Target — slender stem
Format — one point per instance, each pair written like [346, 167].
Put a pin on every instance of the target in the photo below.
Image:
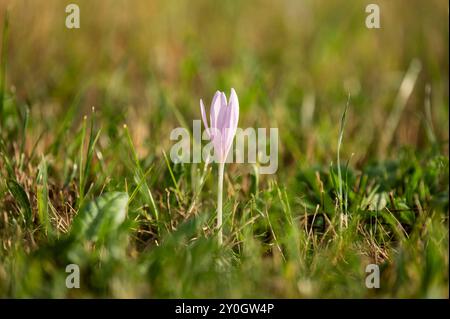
[342, 208]
[219, 203]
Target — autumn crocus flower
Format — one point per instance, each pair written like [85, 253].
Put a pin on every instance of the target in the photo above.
[223, 124]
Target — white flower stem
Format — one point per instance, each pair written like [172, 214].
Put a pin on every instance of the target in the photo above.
[219, 202]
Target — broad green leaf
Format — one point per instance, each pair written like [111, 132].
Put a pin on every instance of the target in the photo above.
[101, 218]
[378, 201]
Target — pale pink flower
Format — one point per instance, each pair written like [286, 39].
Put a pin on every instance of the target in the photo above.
[223, 122]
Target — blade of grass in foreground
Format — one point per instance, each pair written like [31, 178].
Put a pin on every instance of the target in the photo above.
[85, 170]
[42, 196]
[175, 183]
[146, 192]
[22, 200]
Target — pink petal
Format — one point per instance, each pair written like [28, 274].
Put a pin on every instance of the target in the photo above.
[215, 109]
[223, 122]
[217, 142]
[222, 110]
[205, 122]
[233, 119]
[234, 103]
[227, 129]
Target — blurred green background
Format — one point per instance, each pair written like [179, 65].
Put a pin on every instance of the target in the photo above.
[131, 59]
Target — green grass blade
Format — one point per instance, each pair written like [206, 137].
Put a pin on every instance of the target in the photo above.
[42, 196]
[21, 197]
[145, 190]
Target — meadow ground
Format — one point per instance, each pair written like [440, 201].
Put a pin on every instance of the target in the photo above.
[79, 187]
